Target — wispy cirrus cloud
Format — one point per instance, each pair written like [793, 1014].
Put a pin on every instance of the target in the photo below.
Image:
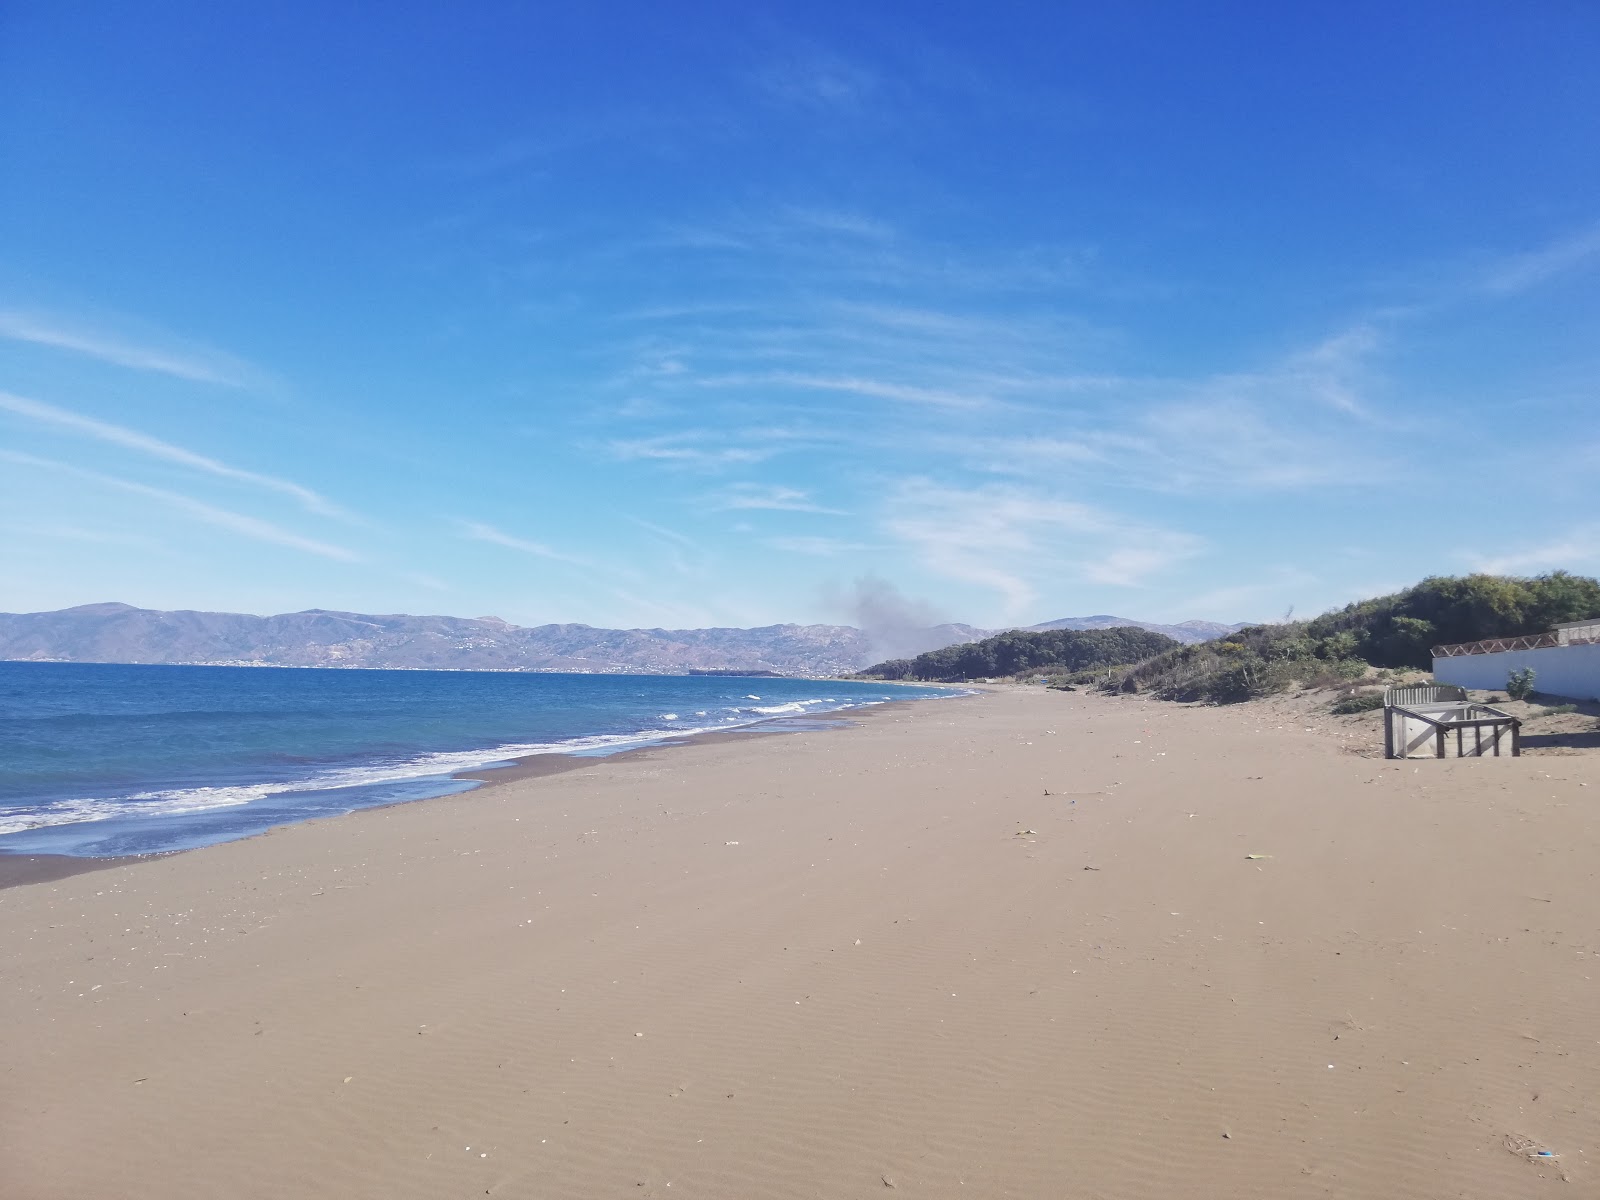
[477, 531]
[131, 439]
[1522, 272]
[775, 497]
[690, 449]
[816, 547]
[1012, 540]
[671, 536]
[240, 523]
[816, 81]
[1578, 548]
[196, 366]
[876, 389]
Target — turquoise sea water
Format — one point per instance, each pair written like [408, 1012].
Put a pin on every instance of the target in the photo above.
[106, 759]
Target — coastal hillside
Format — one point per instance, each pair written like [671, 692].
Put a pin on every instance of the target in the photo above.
[121, 633]
[1187, 632]
[1019, 651]
[1395, 632]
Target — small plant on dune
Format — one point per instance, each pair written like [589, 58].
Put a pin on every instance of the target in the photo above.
[1556, 710]
[1519, 684]
[1358, 703]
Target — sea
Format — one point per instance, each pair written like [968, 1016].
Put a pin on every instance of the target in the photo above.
[103, 760]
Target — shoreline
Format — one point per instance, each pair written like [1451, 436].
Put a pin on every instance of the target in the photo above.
[17, 870]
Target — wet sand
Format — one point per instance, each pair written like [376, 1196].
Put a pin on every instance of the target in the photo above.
[1008, 945]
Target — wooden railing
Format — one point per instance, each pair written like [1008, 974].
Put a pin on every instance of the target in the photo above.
[1532, 641]
[1585, 634]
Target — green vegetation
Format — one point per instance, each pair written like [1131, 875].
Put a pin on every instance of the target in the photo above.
[1358, 702]
[1396, 631]
[1556, 710]
[1252, 662]
[1020, 652]
[1401, 630]
[1519, 684]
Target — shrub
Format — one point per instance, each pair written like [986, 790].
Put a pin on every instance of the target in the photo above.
[1358, 703]
[1555, 710]
[1519, 684]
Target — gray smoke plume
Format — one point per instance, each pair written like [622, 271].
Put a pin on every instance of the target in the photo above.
[896, 625]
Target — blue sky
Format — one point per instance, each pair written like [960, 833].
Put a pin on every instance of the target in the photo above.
[643, 314]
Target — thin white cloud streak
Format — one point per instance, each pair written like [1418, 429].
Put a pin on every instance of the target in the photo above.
[675, 449]
[670, 535]
[1304, 422]
[851, 224]
[1262, 599]
[479, 532]
[210, 368]
[818, 82]
[1010, 540]
[775, 497]
[1578, 547]
[877, 389]
[816, 547]
[251, 527]
[1522, 272]
[131, 439]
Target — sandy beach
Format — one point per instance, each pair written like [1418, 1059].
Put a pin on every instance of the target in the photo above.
[1021, 944]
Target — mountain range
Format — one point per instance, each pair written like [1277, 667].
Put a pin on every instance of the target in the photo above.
[121, 633]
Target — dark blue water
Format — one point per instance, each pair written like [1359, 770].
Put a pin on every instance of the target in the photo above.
[104, 759]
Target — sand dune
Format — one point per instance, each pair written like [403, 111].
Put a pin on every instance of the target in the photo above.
[840, 963]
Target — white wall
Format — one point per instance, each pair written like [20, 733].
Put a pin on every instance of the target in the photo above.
[1571, 671]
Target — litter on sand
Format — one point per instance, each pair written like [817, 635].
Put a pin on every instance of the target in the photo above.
[1255, 857]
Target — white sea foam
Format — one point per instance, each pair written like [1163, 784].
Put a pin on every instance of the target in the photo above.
[438, 765]
[176, 801]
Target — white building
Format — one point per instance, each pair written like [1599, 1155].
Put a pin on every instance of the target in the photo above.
[1565, 661]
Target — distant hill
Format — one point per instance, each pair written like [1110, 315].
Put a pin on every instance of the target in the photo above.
[1187, 632]
[121, 633]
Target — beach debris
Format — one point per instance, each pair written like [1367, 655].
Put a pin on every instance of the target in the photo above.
[1257, 857]
[348, 1078]
[1091, 868]
[1027, 833]
[1529, 1149]
[887, 1182]
[730, 843]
